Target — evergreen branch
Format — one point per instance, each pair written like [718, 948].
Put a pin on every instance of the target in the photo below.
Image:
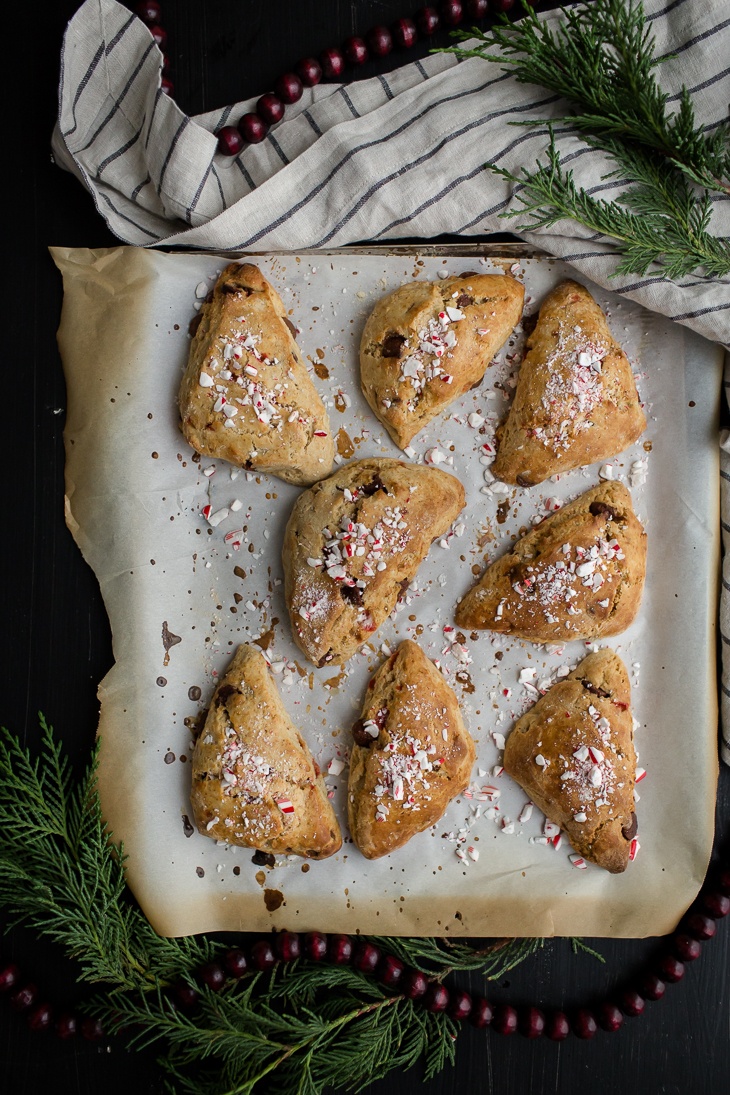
[308, 1025]
[657, 220]
[601, 59]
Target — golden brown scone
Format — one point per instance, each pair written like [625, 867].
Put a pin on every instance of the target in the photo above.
[246, 395]
[579, 574]
[429, 342]
[412, 753]
[573, 754]
[576, 400]
[255, 782]
[352, 543]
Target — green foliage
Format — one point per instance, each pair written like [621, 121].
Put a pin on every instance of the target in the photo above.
[307, 1026]
[601, 58]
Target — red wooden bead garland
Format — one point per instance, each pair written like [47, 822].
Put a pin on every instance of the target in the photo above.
[378, 41]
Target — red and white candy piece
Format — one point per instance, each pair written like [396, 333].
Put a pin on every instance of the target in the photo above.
[285, 805]
[578, 861]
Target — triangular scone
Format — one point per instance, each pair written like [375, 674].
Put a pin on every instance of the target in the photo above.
[579, 574]
[573, 754]
[576, 400]
[427, 343]
[254, 781]
[353, 542]
[246, 395]
[412, 753]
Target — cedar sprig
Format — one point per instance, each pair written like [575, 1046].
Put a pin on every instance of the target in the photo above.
[657, 220]
[601, 58]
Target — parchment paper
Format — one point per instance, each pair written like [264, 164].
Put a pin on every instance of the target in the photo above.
[180, 598]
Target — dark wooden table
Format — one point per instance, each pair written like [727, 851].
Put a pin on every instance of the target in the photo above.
[55, 637]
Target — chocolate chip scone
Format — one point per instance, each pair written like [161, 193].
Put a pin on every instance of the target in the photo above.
[353, 542]
[411, 753]
[254, 781]
[246, 395]
[573, 754]
[579, 574]
[576, 400]
[427, 343]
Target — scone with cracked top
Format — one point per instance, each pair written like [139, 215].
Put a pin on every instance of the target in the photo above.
[573, 755]
[427, 343]
[411, 753]
[353, 542]
[579, 574]
[576, 400]
[246, 395]
[254, 780]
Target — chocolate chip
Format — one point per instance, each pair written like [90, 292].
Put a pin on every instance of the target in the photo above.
[233, 287]
[373, 487]
[628, 832]
[360, 734]
[529, 323]
[524, 481]
[602, 509]
[188, 829]
[353, 594]
[594, 689]
[194, 324]
[291, 327]
[464, 300]
[263, 859]
[224, 693]
[393, 344]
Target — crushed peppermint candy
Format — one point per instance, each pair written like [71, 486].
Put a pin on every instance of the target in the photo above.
[557, 583]
[573, 389]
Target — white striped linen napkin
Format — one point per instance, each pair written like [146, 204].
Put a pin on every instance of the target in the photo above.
[396, 156]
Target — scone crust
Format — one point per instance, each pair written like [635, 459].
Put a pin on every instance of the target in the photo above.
[420, 760]
[576, 400]
[403, 379]
[579, 574]
[280, 425]
[341, 584]
[582, 729]
[250, 762]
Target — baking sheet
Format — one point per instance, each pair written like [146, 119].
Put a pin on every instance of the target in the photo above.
[180, 598]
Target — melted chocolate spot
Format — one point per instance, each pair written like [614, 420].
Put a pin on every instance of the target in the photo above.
[291, 327]
[273, 899]
[194, 324]
[464, 300]
[629, 831]
[263, 859]
[524, 481]
[194, 693]
[188, 829]
[393, 344]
